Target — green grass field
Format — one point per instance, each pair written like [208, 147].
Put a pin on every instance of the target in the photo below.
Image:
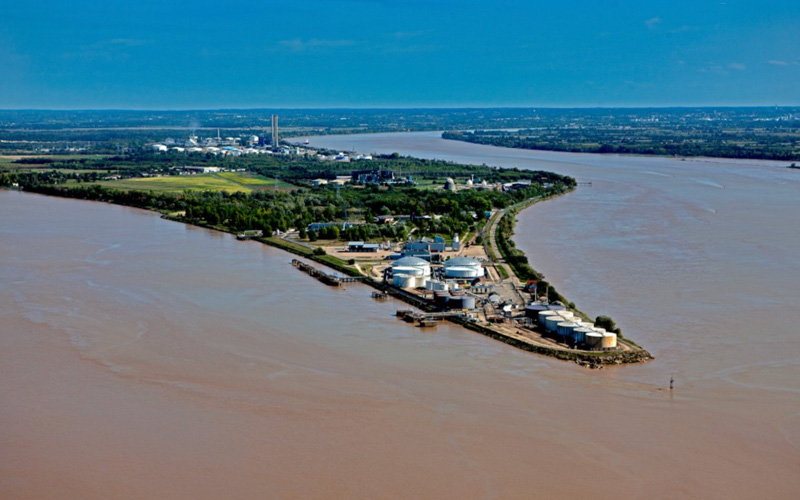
[255, 181]
[233, 182]
[177, 184]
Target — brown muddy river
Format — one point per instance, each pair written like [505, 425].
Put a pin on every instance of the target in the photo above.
[142, 358]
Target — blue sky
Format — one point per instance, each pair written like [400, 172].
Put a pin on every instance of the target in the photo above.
[157, 54]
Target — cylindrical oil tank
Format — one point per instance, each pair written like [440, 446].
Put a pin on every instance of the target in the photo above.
[468, 302]
[454, 302]
[579, 334]
[567, 314]
[533, 309]
[609, 341]
[436, 286]
[557, 306]
[544, 315]
[440, 298]
[463, 268]
[551, 322]
[565, 328]
[594, 340]
[404, 281]
[457, 302]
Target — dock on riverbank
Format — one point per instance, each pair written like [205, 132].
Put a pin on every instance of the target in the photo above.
[521, 337]
[328, 279]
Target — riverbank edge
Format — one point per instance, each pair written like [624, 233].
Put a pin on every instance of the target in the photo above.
[639, 353]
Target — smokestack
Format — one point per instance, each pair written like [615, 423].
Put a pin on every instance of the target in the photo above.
[275, 131]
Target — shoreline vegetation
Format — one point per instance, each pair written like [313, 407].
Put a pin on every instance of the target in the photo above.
[764, 145]
[269, 214]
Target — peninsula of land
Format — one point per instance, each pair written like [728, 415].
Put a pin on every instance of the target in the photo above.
[434, 234]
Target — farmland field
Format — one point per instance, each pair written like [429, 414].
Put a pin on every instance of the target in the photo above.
[233, 182]
[255, 181]
[7, 161]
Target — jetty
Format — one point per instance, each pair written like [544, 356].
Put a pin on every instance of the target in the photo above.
[328, 279]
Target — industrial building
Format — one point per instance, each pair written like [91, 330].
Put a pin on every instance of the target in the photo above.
[410, 272]
[428, 245]
[374, 176]
[463, 268]
[360, 246]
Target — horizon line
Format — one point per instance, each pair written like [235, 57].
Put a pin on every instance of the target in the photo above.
[392, 108]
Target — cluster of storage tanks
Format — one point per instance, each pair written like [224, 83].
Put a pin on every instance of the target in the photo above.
[564, 324]
[413, 272]
[453, 299]
[410, 272]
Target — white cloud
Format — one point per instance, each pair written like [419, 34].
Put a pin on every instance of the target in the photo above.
[298, 45]
[652, 22]
[778, 62]
[737, 66]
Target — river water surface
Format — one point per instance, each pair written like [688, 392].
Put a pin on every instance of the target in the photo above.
[142, 358]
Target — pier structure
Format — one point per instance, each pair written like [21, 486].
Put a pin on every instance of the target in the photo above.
[328, 279]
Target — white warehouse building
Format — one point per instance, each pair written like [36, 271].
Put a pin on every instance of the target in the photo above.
[410, 272]
[463, 268]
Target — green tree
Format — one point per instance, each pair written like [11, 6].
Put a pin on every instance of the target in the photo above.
[606, 323]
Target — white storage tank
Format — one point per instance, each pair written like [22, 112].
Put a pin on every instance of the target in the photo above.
[436, 286]
[551, 322]
[463, 268]
[546, 314]
[469, 302]
[567, 314]
[405, 281]
[609, 341]
[565, 328]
